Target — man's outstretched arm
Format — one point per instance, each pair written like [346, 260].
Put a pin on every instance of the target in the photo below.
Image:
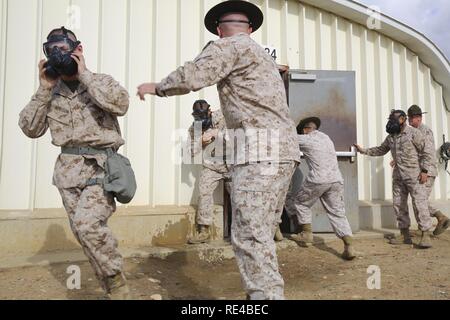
[214, 64]
[379, 151]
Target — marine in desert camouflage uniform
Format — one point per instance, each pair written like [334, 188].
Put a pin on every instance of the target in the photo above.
[324, 182]
[214, 170]
[81, 111]
[410, 174]
[253, 101]
[415, 120]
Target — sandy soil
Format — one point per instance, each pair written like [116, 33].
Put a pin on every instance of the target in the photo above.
[310, 273]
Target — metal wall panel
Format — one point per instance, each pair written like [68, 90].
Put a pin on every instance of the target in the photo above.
[3, 31]
[141, 40]
[18, 166]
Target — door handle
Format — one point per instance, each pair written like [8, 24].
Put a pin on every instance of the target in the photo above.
[348, 154]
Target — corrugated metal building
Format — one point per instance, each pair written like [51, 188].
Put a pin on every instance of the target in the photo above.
[142, 40]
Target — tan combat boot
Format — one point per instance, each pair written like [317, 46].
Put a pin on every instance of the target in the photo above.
[305, 237]
[203, 235]
[443, 223]
[118, 288]
[349, 253]
[425, 240]
[405, 238]
[278, 235]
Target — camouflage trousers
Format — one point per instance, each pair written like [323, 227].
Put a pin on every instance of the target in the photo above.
[89, 209]
[257, 194]
[419, 196]
[208, 183]
[332, 197]
[429, 188]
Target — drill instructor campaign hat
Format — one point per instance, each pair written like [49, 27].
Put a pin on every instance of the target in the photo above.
[253, 13]
[415, 110]
[304, 122]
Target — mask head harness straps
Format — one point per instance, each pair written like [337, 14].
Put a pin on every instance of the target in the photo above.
[54, 37]
[398, 113]
[201, 109]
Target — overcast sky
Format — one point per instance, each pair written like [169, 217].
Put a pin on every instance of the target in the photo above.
[430, 17]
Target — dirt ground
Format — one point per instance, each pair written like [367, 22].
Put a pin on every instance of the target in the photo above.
[309, 273]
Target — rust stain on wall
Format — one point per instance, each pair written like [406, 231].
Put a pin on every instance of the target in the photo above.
[338, 120]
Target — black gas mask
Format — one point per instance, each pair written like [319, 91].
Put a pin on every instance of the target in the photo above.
[202, 114]
[445, 154]
[58, 50]
[394, 126]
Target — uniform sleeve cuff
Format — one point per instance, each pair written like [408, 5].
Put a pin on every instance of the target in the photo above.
[86, 77]
[159, 92]
[44, 94]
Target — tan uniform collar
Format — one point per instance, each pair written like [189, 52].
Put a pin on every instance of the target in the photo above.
[61, 89]
[240, 34]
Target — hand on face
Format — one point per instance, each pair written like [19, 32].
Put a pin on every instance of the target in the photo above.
[45, 81]
[79, 59]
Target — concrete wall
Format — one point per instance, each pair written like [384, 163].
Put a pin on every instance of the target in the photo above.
[142, 40]
[30, 233]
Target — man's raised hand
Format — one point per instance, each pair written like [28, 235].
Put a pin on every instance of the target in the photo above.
[45, 81]
[146, 88]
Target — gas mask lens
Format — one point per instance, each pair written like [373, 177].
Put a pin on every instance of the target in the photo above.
[58, 51]
[203, 117]
[64, 46]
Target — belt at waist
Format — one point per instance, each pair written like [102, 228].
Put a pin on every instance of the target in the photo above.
[85, 151]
